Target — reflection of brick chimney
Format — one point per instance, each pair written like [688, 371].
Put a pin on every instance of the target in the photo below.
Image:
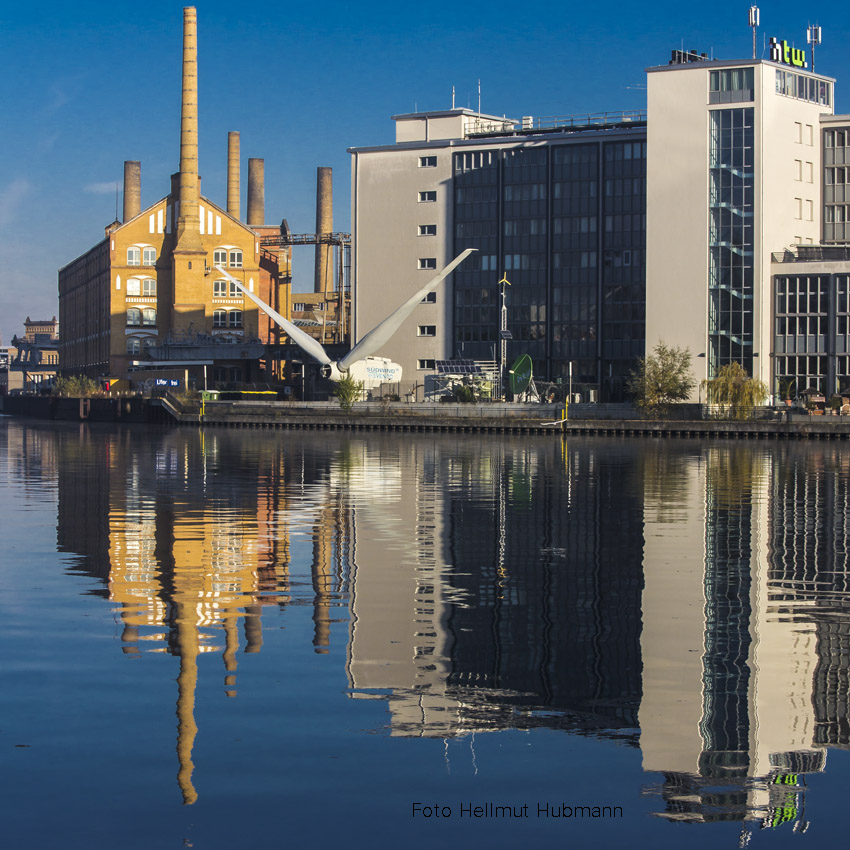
[188, 221]
[233, 174]
[256, 191]
[324, 225]
[132, 189]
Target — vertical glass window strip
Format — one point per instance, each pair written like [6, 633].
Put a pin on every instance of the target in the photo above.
[731, 184]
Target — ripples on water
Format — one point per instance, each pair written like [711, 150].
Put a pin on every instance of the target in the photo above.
[687, 601]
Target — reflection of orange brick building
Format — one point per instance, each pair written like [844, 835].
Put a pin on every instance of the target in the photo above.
[148, 295]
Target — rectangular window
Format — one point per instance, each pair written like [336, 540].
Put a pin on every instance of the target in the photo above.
[427, 229]
[810, 172]
[798, 169]
[798, 132]
[236, 259]
[426, 330]
[425, 364]
[148, 256]
[149, 287]
[427, 262]
[220, 288]
[427, 162]
[134, 287]
[798, 208]
[220, 257]
[427, 197]
[430, 298]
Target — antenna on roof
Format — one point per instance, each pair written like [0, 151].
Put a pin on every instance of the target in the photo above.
[116, 191]
[453, 97]
[754, 23]
[814, 36]
[479, 99]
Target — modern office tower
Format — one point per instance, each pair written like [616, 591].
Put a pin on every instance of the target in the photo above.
[732, 176]
[555, 206]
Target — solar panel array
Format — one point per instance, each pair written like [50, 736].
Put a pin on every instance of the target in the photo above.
[457, 367]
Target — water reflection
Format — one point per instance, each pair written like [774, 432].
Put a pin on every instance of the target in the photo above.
[687, 599]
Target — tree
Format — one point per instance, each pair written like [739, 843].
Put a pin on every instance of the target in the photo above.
[735, 392]
[661, 379]
[75, 386]
[348, 391]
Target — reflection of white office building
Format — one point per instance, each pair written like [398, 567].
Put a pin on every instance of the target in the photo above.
[733, 175]
[730, 649]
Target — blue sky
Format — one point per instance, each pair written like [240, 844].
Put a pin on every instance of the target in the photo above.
[87, 85]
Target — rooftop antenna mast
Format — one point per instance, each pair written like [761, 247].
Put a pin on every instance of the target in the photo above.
[814, 36]
[479, 100]
[453, 97]
[754, 23]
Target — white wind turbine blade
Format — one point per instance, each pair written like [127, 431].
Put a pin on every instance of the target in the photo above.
[375, 339]
[312, 346]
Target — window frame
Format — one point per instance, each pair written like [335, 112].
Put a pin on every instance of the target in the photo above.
[134, 256]
[235, 258]
[147, 259]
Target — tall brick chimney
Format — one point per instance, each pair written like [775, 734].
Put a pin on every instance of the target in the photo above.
[324, 225]
[188, 221]
[132, 189]
[233, 174]
[256, 191]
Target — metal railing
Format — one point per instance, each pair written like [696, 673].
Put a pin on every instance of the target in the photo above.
[812, 254]
[581, 121]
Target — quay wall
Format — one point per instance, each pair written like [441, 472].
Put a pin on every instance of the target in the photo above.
[612, 420]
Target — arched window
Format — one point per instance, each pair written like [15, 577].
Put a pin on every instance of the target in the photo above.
[220, 257]
[149, 287]
[148, 316]
[134, 345]
[134, 257]
[219, 289]
[148, 256]
[219, 318]
[236, 259]
[234, 319]
[134, 317]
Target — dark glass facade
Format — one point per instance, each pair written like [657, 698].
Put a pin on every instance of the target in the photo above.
[811, 341]
[565, 222]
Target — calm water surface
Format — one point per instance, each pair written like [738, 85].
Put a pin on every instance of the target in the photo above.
[249, 638]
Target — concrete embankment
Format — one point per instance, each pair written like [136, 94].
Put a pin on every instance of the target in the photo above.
[98, 409]
[377, 416]
[603, 420]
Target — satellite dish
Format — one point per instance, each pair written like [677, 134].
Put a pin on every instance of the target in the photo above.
[519, 375]
[359, 362]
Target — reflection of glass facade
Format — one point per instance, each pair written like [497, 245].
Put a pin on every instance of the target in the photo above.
[566, 224]
[732, 180]
[725, 725]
